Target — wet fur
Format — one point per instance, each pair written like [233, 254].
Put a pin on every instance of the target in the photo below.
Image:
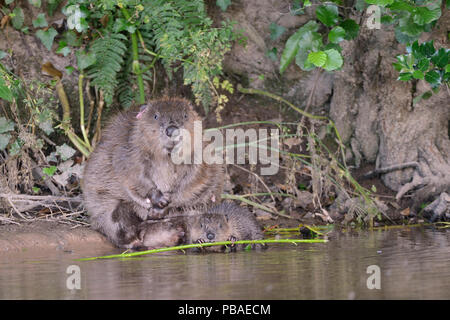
[132, 164]
[226, 221]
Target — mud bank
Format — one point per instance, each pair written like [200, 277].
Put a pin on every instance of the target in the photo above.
[43, 235]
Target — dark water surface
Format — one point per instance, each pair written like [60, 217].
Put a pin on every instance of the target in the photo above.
[414, 264]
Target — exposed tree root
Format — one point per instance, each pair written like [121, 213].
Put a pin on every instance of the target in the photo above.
[430, 180]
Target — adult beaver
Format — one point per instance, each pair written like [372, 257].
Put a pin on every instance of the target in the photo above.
[130, 175]
[224, 222]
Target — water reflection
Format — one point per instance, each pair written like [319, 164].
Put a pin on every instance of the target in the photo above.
[414, 263]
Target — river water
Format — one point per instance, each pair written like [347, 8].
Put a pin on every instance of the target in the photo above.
[414, 263]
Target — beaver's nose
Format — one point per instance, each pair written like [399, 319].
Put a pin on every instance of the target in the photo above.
[172, 131]
[210, 235]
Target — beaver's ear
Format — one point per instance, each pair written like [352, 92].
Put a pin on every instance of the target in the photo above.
[142, 109]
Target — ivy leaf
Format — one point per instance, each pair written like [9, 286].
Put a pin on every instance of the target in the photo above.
[50, 171]
[381, 3]
[276, 31]
[47, 37]
[334, 60]
[292, 44]
[4, 140]
[65, 151]
[15, 147]
[318, 58]
[85, 60]
[310, 41]
[18, 18]
[6, 125]
[223, 4]
[327, 14]
[351, 29]
[5, 93]
[424, 15]
[336, 35]
[35, 3]
[447, 68]
[40, 21]
[63, 48]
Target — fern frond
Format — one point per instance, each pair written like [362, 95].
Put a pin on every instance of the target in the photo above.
[109, 51]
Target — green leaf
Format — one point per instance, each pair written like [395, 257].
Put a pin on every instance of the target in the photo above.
[272, 54]
[5, 92]
[426, 95]
[387, 19]
[3, 54]
[403, 37]
[15, 147]
[63, 48]
[47, 37]
[310, 41]
[65, 151]
[6, 125]
[50, 171]
[9, 1]
[292, 44]
[72, 39]
[433, 78]
[334, 60]
[447, 68]
[4, 140]
[424, 15]
[328, 14]
[400, 5]
[405, 76]
[85, 60]
[440, 59]
[336, 35]
[18, 18]
[223, 4]
[361, 5]
[417, 74]
[318, 58]
[423, 65]
[40, 21]
[381, 3]
[276, 31]
[35, 3]
[351, 29]
[69, 69]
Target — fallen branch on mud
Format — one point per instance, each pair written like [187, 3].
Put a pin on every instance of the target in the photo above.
[201, 245]
[22, 203]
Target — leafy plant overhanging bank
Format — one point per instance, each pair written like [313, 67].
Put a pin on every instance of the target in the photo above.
[389, 88]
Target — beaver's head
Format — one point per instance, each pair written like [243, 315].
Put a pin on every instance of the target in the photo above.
[210, 228]
[163, 122]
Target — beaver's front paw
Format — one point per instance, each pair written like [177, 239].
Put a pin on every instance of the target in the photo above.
[232, 245]
[159, 200]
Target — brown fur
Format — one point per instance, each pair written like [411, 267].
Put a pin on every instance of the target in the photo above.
[130, 175]
[224, 222]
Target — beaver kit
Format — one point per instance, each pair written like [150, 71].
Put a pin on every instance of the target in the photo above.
[224, 222]
[130, 176]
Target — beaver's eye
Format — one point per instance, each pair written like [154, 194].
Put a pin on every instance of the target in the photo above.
[185, 116]
[156, 117]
